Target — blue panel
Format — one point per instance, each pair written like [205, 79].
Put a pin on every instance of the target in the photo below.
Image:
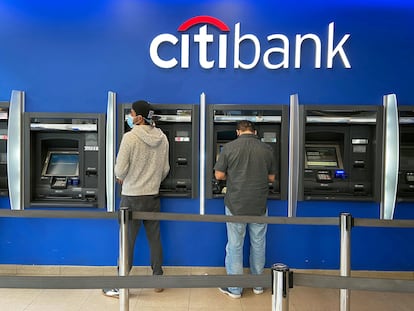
[58, 241]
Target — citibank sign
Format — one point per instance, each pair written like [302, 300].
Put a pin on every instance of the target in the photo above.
[280, 47]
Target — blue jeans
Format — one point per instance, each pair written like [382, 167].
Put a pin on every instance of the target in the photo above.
[234, 248]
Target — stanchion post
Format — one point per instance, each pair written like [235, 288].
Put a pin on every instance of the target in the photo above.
[346, 223]
[280, 287]
[124, 218]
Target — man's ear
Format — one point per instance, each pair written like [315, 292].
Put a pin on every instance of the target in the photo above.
[137, 119]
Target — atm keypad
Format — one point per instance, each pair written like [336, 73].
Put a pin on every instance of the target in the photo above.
[323, 176]
[59, 183]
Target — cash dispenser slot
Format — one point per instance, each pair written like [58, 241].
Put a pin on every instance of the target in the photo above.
[65, 161]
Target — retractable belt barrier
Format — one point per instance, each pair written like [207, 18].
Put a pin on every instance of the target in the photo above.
[206, 281]
[203, 281]
[321, 221]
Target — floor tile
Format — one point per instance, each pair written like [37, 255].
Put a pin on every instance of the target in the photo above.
[190, 299]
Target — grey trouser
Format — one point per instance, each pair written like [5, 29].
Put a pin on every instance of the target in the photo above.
[145, 203]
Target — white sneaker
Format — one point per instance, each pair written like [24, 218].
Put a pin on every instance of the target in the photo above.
[258, 290]
[111, 292]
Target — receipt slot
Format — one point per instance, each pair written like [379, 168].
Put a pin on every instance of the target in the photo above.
[341, 153]
[4, 117]
[179, 122]
[405, 188]
[66, 166]
[271, 123]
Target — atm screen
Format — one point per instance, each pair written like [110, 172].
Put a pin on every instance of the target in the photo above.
[407, 157]
[61, 163]
[226, 135]
[323, 156]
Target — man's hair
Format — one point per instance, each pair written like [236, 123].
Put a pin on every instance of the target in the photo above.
[245, 125]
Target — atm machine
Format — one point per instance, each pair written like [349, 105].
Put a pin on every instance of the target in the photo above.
[271, 123]
[179, 122]
[341, 153]
[4, 117]
[65, 164]
[405, 188]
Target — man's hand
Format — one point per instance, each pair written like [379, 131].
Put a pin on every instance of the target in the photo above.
[220, 175]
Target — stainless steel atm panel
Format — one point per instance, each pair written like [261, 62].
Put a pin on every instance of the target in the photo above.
[405, 189]
[179, 122]
[341, 153]
[4, 118]
[65, 160]
[271, 123]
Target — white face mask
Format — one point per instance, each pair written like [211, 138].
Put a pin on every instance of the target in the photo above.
[130, 121]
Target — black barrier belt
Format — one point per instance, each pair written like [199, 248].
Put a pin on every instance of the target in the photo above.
[170, 216]
[333, 221]
[242, 219]
[272, 220]
[365, 222]
[155, 281]
[354, 283]
[203, 281]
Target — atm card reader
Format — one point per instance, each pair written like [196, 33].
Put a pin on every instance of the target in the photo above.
[359, 164]
[409, 177]
[91, 171]
[181, 161]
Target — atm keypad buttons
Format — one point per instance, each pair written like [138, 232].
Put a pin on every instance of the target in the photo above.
[59, 183]
[323, 176]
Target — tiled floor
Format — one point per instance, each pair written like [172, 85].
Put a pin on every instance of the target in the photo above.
[178, 299]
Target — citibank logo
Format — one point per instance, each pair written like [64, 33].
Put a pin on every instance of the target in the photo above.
[276, 56]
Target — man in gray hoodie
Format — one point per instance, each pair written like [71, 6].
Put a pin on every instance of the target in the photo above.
[141, 165]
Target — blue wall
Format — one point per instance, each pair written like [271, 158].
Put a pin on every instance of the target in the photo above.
[66, 56]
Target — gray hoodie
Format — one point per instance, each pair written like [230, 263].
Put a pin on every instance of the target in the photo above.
[142, 160]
